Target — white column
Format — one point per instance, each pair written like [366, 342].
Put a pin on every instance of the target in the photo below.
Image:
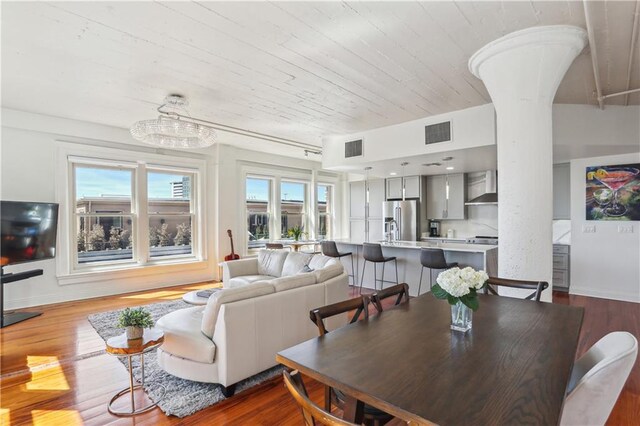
[522, 71]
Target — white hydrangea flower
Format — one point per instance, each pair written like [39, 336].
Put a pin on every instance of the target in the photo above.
[459, 282]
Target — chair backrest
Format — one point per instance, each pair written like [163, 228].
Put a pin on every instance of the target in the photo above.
[311, 413]
[433, 258]
[359, 304]
[372, 252]
[274, 246]
[598, 378]
[536, 286]
[329, 248]
[399, 290]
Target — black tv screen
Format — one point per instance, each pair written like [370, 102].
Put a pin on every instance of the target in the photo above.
[28, 231]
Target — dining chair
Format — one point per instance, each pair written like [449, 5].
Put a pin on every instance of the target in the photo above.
[333, 396]
[275, 246]
[373, 253]
[433, 258]
[399, 290]
[598, 378]
[330, 249]
[311, 413]
[537, 286]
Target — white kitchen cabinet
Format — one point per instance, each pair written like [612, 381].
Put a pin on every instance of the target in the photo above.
[394, 188]
[375, 230]
[376, 198]
[357, 199]
[357, 230]
[561, 191]
[446, 196]
[411, 187]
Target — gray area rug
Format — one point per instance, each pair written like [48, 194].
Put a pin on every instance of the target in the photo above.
[183, 397]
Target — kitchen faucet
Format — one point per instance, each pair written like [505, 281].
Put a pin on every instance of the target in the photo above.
[391, 227]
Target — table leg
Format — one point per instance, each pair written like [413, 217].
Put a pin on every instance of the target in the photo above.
[353, 410]
[133, 402]
[142, 365]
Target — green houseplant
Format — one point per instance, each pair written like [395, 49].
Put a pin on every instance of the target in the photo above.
[134, 321]
[296, 232]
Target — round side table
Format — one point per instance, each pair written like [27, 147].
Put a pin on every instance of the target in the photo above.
[121, 346]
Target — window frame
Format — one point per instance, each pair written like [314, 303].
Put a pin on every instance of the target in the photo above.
[330, 213]
[68, 154]
[270, 208]
[306, 219]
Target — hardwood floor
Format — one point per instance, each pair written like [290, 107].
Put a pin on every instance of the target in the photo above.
[54, 369]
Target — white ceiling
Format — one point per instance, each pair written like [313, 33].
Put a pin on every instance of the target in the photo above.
[297, 70]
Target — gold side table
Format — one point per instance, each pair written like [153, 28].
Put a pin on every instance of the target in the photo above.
[121, 346]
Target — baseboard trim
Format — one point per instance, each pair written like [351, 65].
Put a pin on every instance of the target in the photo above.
[623, 297]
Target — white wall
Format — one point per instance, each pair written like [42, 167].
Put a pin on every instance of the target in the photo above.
[471, 127]
[605, 263]
[28, 173]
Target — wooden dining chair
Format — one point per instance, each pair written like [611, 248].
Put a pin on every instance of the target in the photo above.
[537, 286]
[400, 290]
[360, 305]
[333, 396]
[311, 413]
[275, 246]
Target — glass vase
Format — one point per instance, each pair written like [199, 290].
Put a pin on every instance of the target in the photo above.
[461, 316]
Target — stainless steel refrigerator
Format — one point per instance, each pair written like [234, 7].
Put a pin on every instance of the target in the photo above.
[405, 213]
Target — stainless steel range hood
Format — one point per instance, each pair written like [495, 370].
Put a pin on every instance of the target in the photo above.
[490, 196]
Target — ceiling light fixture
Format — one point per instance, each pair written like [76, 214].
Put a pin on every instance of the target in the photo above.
[450, 168]
[392, 174]
[432, 164]
[447, 159]
[172, 129]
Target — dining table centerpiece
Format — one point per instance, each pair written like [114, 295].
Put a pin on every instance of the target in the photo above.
[460, 288]
[296, 232]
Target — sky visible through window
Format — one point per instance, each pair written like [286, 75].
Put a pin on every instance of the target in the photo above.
[95, 182]
[258, 190]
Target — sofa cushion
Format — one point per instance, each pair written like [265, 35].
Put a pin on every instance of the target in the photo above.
[293, 281]
[295, 263]
[270, 262]
[319, 261]
[330, 271]
[182, 336]
[227, 295]
[244, 280]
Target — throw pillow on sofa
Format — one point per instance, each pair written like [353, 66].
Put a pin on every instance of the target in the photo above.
[295, 263]
[227, 295]
[270, 262]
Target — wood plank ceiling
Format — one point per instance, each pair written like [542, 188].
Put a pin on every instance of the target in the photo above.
[298, 70]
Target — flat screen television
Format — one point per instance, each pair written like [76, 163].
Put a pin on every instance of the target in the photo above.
[28, 231]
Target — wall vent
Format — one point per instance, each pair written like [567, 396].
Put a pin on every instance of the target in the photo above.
[436, 133]
[353, 149]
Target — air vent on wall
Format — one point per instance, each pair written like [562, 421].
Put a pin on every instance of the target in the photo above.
[435, 133]
[353, 149]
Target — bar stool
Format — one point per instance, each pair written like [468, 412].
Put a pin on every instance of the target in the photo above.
[373, 253]
[433, 258]
[330, 249]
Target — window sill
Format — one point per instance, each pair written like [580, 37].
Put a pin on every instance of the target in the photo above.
[131, 271]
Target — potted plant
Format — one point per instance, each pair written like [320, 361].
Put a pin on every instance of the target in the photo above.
[296, 232]
[134, 321]
[460, 288]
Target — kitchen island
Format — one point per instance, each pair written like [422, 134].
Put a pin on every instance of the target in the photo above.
[478, 256]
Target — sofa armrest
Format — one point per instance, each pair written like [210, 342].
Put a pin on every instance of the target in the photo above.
[236, 268]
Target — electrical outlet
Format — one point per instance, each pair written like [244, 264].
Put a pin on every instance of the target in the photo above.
[588, 229]
[625, 229]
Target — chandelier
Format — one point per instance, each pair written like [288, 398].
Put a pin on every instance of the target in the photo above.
[172, 129]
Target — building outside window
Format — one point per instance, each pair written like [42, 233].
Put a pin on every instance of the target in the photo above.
[324, 198]
[258, 204]
[293, 196]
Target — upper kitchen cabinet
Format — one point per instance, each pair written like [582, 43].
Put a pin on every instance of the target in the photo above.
[411, 186]
[357, 199]
[561, 191]
[376, 198]
[446, 196]
[358, 207]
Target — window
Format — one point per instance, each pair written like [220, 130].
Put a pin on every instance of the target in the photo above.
[324, 198]
[170, 214]
[104, 217]
[292, 206]
[115, 211]
[258, 202]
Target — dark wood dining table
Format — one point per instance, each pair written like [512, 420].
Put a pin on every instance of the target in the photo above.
[512, 367]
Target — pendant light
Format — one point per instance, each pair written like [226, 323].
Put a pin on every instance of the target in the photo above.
[403, 180]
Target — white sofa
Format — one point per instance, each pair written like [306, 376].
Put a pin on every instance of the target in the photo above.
[262, 309]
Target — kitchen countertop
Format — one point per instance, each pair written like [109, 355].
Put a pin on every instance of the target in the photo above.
[417, 245]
